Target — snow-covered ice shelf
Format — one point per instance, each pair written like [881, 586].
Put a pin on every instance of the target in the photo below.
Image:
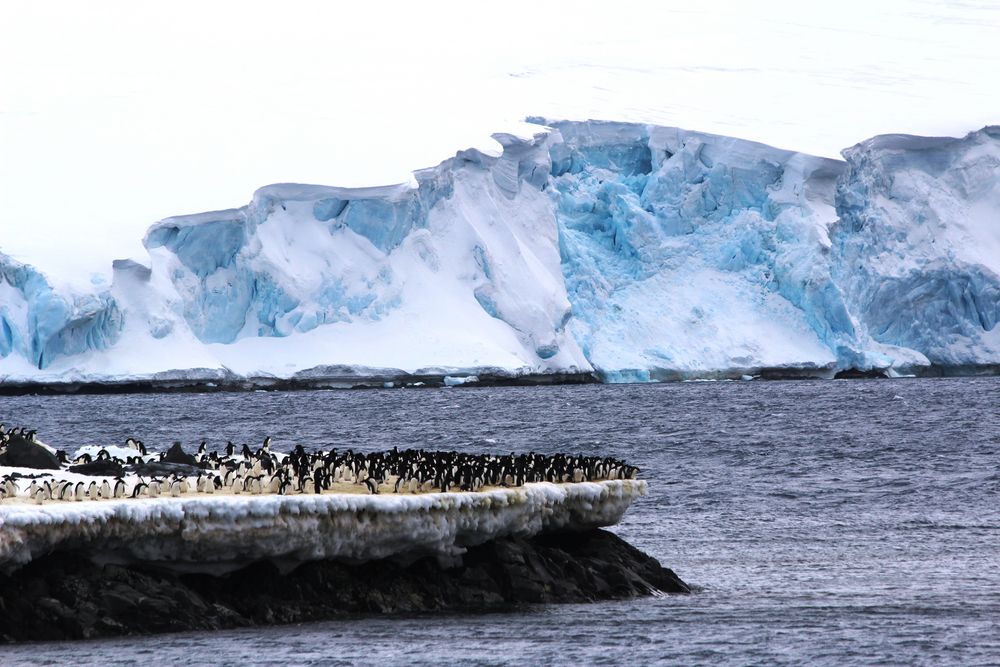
[224, 532]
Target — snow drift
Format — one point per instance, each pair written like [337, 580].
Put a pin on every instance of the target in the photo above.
[631, 251]
[225, 531]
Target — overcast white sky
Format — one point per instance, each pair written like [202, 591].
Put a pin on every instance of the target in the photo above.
[114, 114]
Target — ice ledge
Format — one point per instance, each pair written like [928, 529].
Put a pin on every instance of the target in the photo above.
[236, 530]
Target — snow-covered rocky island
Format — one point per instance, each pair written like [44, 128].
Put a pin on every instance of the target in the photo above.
[580, 251]
[120, 540]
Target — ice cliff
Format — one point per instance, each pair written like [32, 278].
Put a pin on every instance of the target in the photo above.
[631, 251]
[233, 530]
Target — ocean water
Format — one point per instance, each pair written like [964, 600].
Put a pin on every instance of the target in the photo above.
[838, 522]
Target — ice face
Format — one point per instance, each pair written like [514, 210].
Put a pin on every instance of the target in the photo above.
[918, 243]
[638, 252]
[38, 324]
[682, 252]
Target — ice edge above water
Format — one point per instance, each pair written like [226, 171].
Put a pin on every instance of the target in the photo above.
[235, 530]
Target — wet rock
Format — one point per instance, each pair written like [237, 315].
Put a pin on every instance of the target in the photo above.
[65, 596]
[99, 469]
[22, 453]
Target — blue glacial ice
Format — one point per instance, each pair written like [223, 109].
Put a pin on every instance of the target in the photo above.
[635, 252]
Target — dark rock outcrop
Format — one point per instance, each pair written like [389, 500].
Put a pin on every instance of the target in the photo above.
[22, 453]
[176, 454]
[65, 596]
[161, 469]
[105, 468]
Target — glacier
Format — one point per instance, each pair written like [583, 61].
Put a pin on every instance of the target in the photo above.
[617, 251]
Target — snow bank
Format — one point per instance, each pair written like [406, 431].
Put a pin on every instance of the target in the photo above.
[633, 251]
[221, 530]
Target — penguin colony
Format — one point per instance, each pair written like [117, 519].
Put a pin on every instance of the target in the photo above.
[242, 470]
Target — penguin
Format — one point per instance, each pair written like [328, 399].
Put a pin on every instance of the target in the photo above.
[92, 491]
[65, 491]
[274, 484]
[372, 485]
[250, 485]
[80, 492]
[119, 490]
[139, 490]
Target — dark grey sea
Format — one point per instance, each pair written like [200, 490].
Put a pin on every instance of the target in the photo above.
[822, 522]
